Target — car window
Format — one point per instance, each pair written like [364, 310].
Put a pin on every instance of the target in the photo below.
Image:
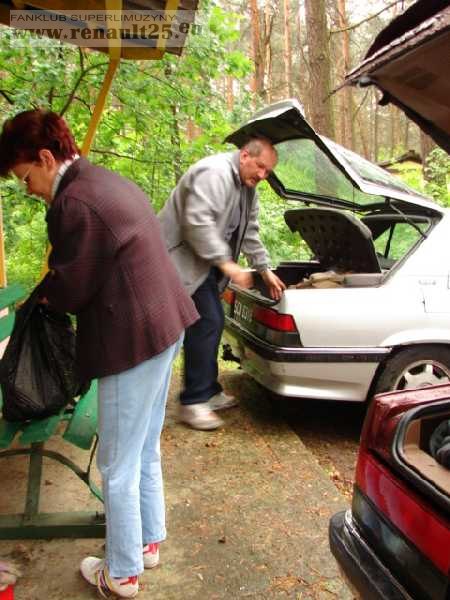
[303, 167]
[368, 171]
[396, 241]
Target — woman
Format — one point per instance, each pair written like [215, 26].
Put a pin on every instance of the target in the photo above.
[109, 266]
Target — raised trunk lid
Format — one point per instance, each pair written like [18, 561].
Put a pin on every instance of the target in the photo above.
[314, 169]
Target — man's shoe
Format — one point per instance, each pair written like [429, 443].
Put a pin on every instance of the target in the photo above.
[96, 573]
[199, 416]
[221, 400]
[151, 555]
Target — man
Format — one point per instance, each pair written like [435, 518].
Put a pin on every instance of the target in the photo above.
[109, 266]
[210, 217]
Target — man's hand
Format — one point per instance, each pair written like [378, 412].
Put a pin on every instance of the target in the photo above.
[274, 284]
[237, 275]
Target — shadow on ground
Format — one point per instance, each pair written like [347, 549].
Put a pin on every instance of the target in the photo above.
[248, 508]
[330, 430]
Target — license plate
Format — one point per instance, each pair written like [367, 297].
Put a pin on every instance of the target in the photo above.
[243, 312]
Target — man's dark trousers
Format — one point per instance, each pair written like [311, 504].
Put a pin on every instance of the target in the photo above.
[201, 344]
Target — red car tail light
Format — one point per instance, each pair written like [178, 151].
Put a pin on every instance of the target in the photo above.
[385, 412]
[274, 320]
[400, 522]
[392, 493]
[228, 296]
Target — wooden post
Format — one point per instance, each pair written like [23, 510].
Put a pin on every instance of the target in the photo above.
[99, 105]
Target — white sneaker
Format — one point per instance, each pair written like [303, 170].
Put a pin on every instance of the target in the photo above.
[151, 555]
[221, 401]
[96, 573]
[199, 416]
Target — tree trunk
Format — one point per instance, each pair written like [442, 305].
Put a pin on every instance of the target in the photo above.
[362, 135]
[395, 141]
[346, 93]
[190, 129]
[229, 92]
[375, 127]
[287, 54]
[267, 66]
[269, 74]
[406, 134]
[319, 67]
[302, 64]
[426, 146]
[257, 79]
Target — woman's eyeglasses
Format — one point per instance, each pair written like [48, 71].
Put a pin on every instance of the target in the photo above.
[24, 180]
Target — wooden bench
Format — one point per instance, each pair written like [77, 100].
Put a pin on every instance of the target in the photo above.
[78, 425]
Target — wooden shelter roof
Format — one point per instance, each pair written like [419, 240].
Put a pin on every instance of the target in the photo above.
[136, 48]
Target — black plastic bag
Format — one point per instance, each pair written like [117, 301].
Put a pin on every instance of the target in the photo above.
[38, 376]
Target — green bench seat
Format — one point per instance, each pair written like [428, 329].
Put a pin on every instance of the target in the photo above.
[78, 425]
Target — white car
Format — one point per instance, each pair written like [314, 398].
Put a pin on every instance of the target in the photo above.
[386, 323]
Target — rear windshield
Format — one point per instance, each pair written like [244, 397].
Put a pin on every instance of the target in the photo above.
[304, 167]
[368, 171]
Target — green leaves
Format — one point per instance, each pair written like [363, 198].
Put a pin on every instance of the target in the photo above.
[161, 116]
[438, 176]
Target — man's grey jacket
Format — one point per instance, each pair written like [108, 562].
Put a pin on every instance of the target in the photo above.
[196, 216]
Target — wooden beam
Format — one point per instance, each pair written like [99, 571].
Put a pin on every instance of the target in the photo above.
[99, 106]
[114, 43]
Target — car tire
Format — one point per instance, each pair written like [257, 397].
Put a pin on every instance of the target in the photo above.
[415, 367]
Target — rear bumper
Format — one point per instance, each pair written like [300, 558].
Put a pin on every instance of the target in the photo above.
[342, 374]
[272, 352]
[360, 564]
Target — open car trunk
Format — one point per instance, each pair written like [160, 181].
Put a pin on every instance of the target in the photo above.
[401, 430]
[332, 184]
[415, 450]
[295, 273]
[339, 242]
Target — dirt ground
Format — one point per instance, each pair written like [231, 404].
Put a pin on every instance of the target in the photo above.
[329, 430]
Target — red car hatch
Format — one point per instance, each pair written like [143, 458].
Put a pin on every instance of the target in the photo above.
[401, 501]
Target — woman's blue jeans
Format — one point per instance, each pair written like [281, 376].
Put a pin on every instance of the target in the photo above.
[131, 415]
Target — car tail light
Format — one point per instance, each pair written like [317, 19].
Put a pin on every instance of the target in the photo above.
[228, 296]
[402, 512]
[379, 429]
[399, 521]
[385, 412]
[274, 320]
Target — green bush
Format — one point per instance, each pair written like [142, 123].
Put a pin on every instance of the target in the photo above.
[437, 171]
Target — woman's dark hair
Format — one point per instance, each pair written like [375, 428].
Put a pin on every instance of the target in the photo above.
[28, 132]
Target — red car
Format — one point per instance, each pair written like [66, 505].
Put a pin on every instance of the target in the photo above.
[394, 543]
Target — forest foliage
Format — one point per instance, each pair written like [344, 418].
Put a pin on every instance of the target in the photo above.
[164, 115]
